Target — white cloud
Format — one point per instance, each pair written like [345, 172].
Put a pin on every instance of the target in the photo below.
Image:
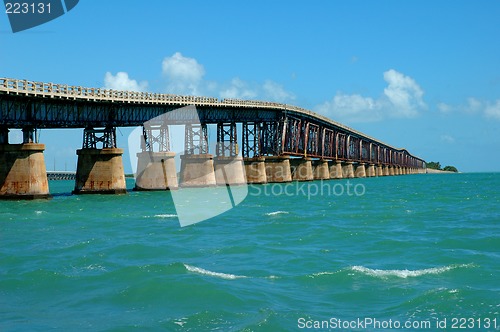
[353, 108]
[444, 108]
[404, 94]
[269, 91]
[473, 105]
[402, 97]
[493, 110]
[121, 81]
[184, 74]
[275, 92]
[238, 89]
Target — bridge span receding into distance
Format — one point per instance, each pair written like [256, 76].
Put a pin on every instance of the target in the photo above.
[279, 142]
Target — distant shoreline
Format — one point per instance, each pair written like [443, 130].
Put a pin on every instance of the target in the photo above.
[435, 171]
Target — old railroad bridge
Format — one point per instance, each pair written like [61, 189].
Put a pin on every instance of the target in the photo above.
[279, 142]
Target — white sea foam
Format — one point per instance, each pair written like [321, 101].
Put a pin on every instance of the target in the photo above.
[275, 213]
[165, 216]
[181, 321]
[325, 273]
[405, 273]
[199, 270]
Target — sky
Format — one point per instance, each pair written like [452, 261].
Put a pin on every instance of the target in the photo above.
[422, 75]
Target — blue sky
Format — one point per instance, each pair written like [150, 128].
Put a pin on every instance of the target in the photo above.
[424, 75]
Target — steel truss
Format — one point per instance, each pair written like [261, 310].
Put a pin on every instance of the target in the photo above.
[251, 132]
[92, 137]
[196, 139]
[227, 139]
[155, 136]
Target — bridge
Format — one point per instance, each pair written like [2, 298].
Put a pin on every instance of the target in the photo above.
[60, 175]
[279, 142]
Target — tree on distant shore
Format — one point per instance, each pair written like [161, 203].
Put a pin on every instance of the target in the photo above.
[437, 165]
[434, 165]
[450, 169]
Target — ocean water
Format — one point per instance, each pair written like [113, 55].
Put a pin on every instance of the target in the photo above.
[406, 249]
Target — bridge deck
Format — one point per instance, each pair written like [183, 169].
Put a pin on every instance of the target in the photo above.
[48, 105]
[69, 92]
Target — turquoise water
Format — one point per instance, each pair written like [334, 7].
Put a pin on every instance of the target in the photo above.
[416, 248]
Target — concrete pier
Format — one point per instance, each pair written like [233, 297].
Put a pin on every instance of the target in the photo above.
[385, 170]
[22, 171]
[360, 171]
[379, 171]
[348, 170]
[197, 170]
[336, 170]
[229, 171]
[255, 170]
[156, 171]
[100, 171]
[391, 170]
[371, 171]
[278, 169]
[320, 170]
[301, 169]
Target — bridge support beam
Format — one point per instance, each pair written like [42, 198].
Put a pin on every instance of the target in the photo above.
[371, 171]
[301, 169]
[391, 170]
[360, 171]
[348, 170]
[278, 169]
[197, 170]
[320, 170]
[156, 171]
[100, 171]
[336, 170]
[229, 171]
[22, 171]
[255, 169]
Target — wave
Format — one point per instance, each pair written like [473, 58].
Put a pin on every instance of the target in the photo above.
[275, 213]
[325, 273]
[405, 273]
[162, 216]
[221, 275]
[165, 216]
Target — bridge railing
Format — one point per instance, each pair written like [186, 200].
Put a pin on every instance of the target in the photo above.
[69, 91]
